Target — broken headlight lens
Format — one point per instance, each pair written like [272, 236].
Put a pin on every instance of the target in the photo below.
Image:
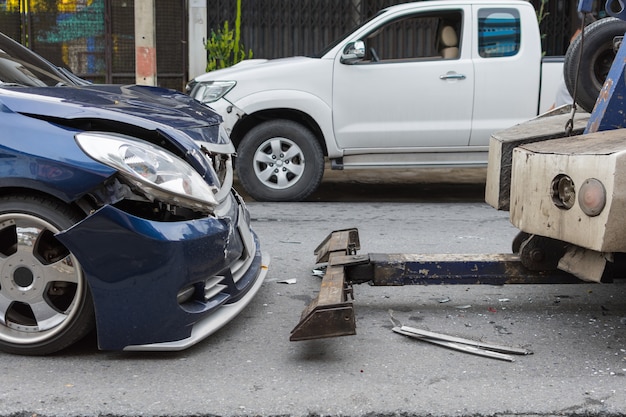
[157, 173]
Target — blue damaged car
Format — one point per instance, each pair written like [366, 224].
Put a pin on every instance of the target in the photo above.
[117, 213]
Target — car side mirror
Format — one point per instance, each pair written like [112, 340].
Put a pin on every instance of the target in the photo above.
[353, 52]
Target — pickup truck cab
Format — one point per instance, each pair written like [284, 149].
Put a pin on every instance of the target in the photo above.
[418, 85]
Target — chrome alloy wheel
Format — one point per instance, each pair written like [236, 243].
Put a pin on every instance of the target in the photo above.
[41, 282]
[279, 163]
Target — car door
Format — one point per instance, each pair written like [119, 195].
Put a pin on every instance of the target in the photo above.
[404, 94]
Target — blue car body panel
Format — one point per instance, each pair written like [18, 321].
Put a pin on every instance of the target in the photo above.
[176, 115]
[138, 105]
[136, 267]
[38, 155]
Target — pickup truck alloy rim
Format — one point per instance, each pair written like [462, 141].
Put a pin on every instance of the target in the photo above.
[40, 282]
[279, 163]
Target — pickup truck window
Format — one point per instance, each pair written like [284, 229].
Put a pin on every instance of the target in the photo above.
[334, 43]
[499, 32]
[418, 36]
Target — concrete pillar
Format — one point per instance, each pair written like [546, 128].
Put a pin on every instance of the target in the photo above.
[145, 43]
[198, 30]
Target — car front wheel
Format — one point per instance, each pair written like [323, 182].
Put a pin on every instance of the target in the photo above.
[280, 160]
[45, 303]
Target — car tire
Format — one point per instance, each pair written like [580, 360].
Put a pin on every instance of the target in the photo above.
[595, 62]
[45, 301]
[279, 160]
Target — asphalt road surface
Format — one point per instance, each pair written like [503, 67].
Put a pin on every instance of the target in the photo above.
[250, 368]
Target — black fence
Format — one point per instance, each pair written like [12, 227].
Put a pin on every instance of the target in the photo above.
[280, 28]
[96, 38]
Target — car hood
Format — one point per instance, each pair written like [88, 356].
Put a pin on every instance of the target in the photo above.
[144, 106]
[253, 66]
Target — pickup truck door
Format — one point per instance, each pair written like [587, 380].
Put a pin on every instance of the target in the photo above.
[507, 60]
[404, 94]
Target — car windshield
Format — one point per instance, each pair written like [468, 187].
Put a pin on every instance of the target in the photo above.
[20, 66]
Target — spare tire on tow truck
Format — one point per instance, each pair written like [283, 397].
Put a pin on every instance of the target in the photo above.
[598, 50]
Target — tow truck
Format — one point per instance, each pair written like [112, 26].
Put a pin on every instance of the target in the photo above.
[561, 176]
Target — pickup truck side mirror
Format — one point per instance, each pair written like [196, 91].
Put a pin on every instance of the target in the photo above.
[353, 52]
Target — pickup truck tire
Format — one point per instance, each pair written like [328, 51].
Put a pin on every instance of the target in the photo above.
[596, 60]
[280, 160]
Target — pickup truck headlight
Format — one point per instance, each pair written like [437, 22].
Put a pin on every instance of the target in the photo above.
[210, 91]
[157, 173]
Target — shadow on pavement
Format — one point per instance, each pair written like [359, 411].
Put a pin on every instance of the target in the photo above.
[432, 192]
[409, 185]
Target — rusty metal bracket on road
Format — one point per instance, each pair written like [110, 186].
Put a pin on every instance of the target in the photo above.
[331, 313]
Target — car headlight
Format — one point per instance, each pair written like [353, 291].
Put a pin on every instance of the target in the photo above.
[210, 91]
[159, 174]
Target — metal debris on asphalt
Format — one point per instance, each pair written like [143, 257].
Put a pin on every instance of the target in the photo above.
[457, 343]
[320, 269]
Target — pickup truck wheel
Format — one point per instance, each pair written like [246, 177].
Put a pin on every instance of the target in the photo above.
[596, 60]
[280, 160]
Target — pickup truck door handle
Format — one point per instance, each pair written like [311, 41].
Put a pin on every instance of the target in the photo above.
[452, 76]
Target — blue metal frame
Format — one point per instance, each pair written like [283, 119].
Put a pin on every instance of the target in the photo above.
[608, 112]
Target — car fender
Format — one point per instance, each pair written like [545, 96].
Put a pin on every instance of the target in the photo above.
[57, 166]
[302, 101]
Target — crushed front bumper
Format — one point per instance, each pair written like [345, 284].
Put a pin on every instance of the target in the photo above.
[136, 269]
[230, 113]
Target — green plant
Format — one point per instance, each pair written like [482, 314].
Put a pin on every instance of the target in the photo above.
[224, 46]
[542, 13]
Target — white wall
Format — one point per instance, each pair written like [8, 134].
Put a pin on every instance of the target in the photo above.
[197, 36]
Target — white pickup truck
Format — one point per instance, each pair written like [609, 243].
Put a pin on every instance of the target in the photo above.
[418, 85]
